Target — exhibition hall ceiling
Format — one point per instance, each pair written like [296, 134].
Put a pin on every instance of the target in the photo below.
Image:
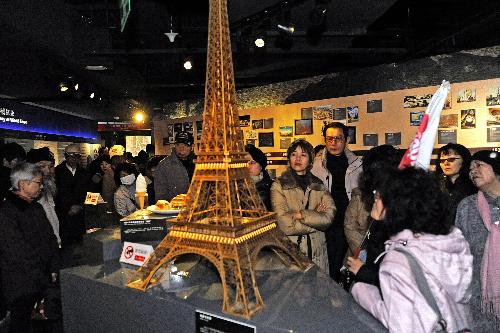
[46, 44]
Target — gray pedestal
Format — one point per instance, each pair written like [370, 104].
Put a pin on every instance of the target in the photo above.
[103, 245]
[95, 299]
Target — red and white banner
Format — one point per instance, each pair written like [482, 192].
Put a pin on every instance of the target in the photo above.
[420, 151]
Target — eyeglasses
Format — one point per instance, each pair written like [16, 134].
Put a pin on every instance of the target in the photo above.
[331, 139]
[449, 159]
[73, 155]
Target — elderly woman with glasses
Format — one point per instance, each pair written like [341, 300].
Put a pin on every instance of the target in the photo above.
[303, 205]
[29, 250]
[452, 170]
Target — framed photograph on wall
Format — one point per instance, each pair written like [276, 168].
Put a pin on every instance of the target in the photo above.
[268, 123]
[493, 134]
[323, 112]
[466, 95]
[447, 136]
[370, 140]
[352, 134]
[374, 106]
[393, 139]
[416, 118]
[303, 126]
[493, 117]
[286, 130]
[306, 113]
[339, 114]
[416, 101]
[448, 120]
[244, 121]
[285, 143]
[257, 124]
[468, 119]
[266, 139]
[493, 96]
[352, 114]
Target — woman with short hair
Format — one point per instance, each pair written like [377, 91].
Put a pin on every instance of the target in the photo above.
[125, 177]
[303, 205]
[414, 213]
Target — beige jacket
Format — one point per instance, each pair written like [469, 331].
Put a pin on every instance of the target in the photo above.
[355, 222]
[287, 198]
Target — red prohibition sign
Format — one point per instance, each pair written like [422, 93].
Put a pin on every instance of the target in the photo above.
[129, 252]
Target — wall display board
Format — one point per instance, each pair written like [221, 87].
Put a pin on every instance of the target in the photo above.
[400, 112]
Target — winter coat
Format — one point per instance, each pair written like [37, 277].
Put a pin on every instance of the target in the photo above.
[29, 252]
[125, 203]
[71, 190]
[108, 186]
[264, 188]
[287, 198]
[463, 187]
[447, 265]
[171, 178]
[351, 175]
[469, 221]
[355, 221]
[374, 246]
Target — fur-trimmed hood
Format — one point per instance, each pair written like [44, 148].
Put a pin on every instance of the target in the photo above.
[288, 181]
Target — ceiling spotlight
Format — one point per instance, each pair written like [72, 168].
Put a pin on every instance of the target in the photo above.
[188, 65]
[63, 87]
[259, 42]
[96, 67]
[92, 95]
[76, 86]
[171, 35]
[139, 117]
[288, 29]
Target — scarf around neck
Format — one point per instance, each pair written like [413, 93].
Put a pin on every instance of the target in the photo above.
[490, 267]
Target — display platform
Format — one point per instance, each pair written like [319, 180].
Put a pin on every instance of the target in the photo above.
[95, 298]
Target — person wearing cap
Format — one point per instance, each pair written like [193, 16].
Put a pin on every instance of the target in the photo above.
[71, 182]
[257, 162]
[478, 217]
[174, 172]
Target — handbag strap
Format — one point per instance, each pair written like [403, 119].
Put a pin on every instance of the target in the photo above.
[423, 286]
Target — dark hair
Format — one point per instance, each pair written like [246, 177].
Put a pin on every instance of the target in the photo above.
[13, 150]
[104, 158]
[128, 168]
[460, 150]
[336, 124]
[413, 200]
[318, 148]
[375, 163]
[257, 155]
[305, 146]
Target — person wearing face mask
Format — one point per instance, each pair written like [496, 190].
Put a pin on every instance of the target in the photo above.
[452, 170]
[125, 176]
[30, 254]
[478, 217]
[257, 162]
[304, 207]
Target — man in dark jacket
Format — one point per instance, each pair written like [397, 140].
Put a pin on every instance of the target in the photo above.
[28, 246]
[174, 173]
[71, 182]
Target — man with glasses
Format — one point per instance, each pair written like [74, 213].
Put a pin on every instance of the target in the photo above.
[339, 170]
[71, 183]
[173, 174]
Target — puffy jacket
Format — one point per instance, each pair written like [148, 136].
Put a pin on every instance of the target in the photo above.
[287, 198]
[351, 175]
[171, 178]
[356, 221]
[447, 265]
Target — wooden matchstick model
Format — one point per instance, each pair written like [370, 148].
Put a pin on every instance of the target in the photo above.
[224, 219]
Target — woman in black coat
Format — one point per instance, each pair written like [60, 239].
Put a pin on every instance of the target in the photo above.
[257, 162]
[29, 253]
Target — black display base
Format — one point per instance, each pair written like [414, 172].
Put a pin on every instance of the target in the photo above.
[95, 299]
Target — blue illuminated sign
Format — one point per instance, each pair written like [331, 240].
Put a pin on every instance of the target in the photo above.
[21, 117]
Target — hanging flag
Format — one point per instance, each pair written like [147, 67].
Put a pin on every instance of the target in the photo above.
[420, 150]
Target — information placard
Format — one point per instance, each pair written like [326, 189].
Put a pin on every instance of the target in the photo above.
[142, 230]
[208, 323]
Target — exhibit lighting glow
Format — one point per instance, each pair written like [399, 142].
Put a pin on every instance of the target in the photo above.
[259, 42]
[139, 117]
[92, 95]
[63, 87]
[76, 86]
[188, 65]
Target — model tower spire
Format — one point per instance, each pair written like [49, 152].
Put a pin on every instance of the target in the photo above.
[224, 219]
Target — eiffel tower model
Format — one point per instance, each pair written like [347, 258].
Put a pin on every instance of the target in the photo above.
[224, 220]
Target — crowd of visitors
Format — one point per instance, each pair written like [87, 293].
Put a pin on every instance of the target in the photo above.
[421, 247]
